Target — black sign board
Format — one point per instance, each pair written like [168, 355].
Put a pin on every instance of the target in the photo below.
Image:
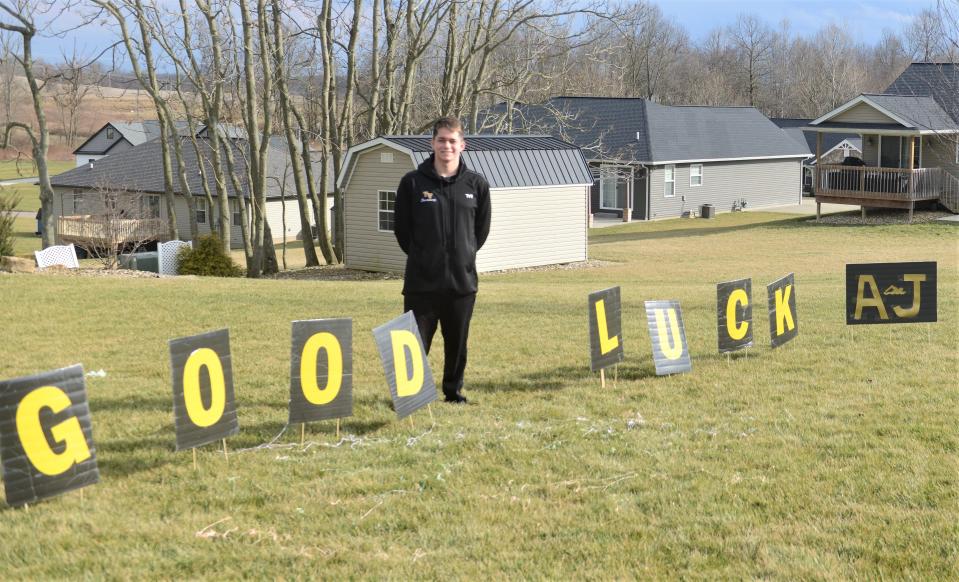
[783, 318]
[405, 365]
[46, 439]
[666, 330]
[204, 409]
[321, 370]
[891, 293]
[605, 328]
[734, 315]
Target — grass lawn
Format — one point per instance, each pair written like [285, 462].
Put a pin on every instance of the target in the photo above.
[25, 242]
[835, 456]
[13, 169]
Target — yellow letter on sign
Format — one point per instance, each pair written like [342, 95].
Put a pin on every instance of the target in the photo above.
[874, 301]
[606, 343]
[407, 384]
[199, 415]
[784, 315]
[736, 329]
[671, 346]
[334, 355]
[68, 432]
[913, 310]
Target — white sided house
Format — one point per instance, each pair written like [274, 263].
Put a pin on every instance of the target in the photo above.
[137, 172]
[539, 191]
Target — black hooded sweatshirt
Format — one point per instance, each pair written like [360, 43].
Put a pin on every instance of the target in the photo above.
[440, 224]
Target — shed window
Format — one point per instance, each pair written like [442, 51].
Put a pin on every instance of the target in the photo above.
[201, 210]
[696, 175]
[387, 201]
[669, 181]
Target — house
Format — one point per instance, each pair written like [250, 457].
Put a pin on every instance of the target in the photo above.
[910, 143]
[119, 136]
[836, 146]
[653, 161]
[539, 189]
[137, 171]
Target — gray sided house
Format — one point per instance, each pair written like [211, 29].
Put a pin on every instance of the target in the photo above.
[539, 189]
[119, 136]
[910, 143]
[138, 173]
[836, 147]
[652, 161]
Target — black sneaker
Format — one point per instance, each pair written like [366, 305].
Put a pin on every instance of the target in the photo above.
[456, 399]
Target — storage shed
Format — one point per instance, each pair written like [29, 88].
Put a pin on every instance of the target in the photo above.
[539, 190]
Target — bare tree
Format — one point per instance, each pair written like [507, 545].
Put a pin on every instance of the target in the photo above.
[753, 42]
[76, 80]
[10, 90]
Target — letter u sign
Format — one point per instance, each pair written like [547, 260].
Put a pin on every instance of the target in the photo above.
[321, 370]
[204, 408]
[668, 336]
[49, 449]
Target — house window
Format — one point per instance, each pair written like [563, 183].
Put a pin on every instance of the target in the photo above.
[110, 133]
[77, 201]
[150, 206]
[608, 188]
[669, 181]
[387, 201]
[201, 210]
[235, 211]
[696, 175]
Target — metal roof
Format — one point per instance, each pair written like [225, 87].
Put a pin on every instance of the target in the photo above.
[509, 161]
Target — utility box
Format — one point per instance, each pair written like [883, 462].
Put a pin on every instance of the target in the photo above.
[149, 261]
[708, 211]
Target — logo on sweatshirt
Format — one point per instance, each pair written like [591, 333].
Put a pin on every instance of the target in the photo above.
[427, 197]
[469, 196]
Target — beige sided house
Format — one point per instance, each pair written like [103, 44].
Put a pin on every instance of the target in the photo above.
[138, 171]
[910, 143]
[539, 190]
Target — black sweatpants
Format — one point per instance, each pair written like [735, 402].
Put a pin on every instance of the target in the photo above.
[453, 314]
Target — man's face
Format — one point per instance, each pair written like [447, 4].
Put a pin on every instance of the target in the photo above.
[447, 145]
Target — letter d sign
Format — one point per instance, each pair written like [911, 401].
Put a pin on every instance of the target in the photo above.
[405, 365]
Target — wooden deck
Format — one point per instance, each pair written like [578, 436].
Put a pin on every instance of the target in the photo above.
[107, 231]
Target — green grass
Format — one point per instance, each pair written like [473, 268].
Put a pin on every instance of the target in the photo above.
[832, 457]
[13, 169]
[25, 242]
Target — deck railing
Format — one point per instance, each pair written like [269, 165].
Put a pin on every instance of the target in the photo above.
[950, 192]
[880, 183]
[109, 230]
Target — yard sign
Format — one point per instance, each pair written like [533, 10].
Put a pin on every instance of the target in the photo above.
[783, 319]
[204, 409]
[321, 370]
[734, 315]
[891, 293]
[405, 365]
[605, 328]
[666, 330]
[46, 439]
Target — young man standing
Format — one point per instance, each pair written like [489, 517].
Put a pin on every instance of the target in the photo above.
[442, 218]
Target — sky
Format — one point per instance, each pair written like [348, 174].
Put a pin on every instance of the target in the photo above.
[865, 20]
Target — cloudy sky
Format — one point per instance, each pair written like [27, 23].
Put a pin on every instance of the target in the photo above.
[865, 20]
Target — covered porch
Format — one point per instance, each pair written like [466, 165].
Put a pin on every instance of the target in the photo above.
[108, 231]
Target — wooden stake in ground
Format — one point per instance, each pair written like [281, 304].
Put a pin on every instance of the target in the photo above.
[302, 433]
[411, 422]
[226, 455]
[602, 378]
[194, 458]
[430, 409]
[615, 374]
[337, 429]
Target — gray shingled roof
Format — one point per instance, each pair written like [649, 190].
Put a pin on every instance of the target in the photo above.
[140, 169]
[794, 128]
[937, 80]
[922, 112]
[513, 161]
[632, 129]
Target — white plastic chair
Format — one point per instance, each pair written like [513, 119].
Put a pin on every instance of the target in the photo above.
[168, 256]
[65, 255]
